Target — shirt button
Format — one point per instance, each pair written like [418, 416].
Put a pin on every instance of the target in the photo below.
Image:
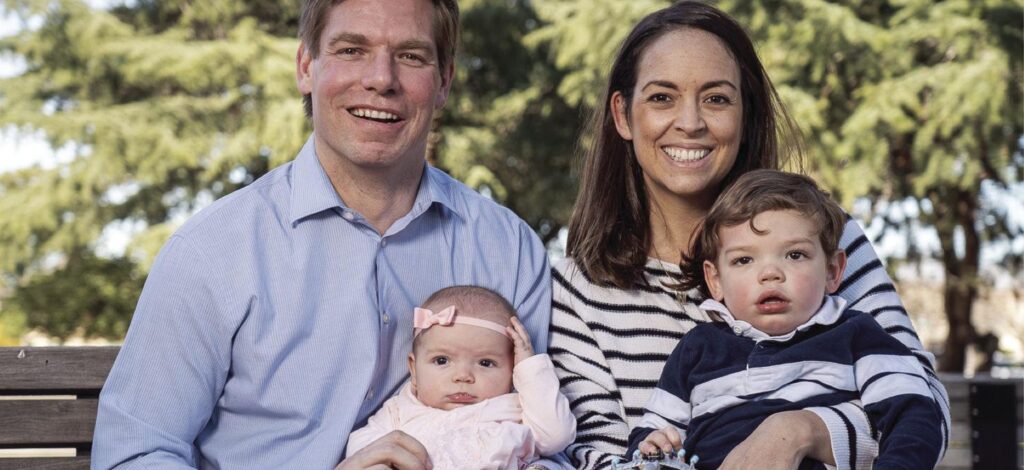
[348, 215]
[386, 318]
[383, 242]
[737, 330]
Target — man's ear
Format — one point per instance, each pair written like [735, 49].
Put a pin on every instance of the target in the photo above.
[619, 108]
[713, 281]
[446, 86]
[835, 267]
[303, 78]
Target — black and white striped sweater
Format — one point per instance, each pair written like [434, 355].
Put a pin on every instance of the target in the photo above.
[609, 346]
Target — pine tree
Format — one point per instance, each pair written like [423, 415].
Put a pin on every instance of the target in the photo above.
[165, 106]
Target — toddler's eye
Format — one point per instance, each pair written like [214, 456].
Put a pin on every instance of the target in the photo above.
[487, 363]
[741, 260]
[796, 255]
[440, 360]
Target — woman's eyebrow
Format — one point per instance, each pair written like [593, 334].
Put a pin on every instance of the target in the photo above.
[706, 86]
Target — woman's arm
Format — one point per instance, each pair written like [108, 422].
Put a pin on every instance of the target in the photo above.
[586, 380]
[867, 287]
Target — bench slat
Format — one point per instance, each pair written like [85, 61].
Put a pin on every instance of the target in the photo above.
[65, 463]
[33, 423]
[57, 368]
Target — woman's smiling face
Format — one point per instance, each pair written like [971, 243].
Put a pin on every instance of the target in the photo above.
[685, 118]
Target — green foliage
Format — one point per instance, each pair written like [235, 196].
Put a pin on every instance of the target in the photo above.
[88, 296]
[164, 106]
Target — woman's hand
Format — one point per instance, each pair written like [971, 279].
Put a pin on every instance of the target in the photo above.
[781, 442]
[521, 345]
[395, 450]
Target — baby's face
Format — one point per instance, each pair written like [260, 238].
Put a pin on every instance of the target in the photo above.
[775, 280]
[459, 365]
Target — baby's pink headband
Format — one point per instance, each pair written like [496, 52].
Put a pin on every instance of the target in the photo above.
[424, 318]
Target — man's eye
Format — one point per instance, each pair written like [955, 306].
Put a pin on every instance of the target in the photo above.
[349, 51]
[411, 58]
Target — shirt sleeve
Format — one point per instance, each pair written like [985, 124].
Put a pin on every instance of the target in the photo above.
[866, 286]
[897, 398]
[168, 374]
[545, 409]
[533, 291]
[587, 382]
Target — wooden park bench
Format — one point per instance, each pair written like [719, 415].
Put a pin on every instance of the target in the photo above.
[48, 399]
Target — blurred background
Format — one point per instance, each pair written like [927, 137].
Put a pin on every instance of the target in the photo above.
[119, 119]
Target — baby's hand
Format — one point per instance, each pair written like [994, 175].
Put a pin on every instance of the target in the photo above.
[665, 440]
[520, 341]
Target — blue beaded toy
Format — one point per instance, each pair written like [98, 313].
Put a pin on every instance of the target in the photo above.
[656, 461]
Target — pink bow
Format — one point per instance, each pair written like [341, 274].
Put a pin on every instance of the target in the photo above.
[424, 318]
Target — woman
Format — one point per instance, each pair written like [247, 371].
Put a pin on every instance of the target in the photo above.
[688, 108]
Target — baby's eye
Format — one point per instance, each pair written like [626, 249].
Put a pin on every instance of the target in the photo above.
[742, 260]
[796, 255]
[487, 363]
[440, 360]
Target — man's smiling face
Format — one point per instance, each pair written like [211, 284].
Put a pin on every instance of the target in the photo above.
[375, 83]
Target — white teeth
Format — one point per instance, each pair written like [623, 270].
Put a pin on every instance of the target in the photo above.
[686, 155]
[373, 114]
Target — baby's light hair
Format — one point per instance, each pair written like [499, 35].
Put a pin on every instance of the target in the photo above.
[471, 301]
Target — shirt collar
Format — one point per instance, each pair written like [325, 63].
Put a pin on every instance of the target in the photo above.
[830, 311]
[312, 191]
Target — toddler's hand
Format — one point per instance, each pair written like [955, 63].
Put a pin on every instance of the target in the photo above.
[520, 341]
[666, 440]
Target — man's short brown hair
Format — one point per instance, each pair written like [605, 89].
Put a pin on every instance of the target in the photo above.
[446, 32]
[752, 193]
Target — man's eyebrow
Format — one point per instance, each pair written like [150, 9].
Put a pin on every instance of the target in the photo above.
[416, 44]
[350, 38]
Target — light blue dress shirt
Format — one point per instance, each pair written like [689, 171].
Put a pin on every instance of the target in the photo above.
[276, 321]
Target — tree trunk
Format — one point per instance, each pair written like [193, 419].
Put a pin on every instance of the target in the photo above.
[961, 274]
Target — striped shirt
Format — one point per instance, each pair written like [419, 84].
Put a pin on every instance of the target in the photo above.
[277, 320]
[726, 377]
[609, 346]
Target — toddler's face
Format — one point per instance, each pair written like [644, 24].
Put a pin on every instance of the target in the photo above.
[775, 280]
[459, 365]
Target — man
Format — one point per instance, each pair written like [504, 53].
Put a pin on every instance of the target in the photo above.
[275, 321]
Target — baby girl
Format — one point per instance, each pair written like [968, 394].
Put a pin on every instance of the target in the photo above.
[469, 351]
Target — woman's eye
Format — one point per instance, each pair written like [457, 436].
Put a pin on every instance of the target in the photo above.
[659, 98]
[440, 360]
[718, 99]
